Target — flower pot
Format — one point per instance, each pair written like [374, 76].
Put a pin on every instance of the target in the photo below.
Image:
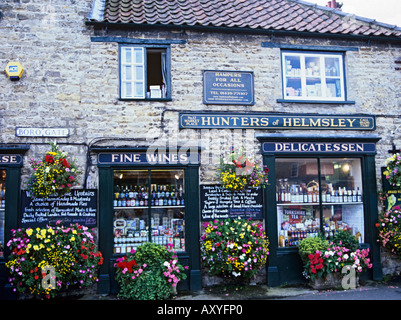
[334, 281]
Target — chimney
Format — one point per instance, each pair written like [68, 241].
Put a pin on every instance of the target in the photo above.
[334, 4]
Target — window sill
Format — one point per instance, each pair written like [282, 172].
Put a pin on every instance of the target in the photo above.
[145, 99]
[315, 101]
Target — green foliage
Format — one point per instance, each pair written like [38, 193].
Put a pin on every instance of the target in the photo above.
[234, 248]
[346, 239]
[150, 273]
[310, 246]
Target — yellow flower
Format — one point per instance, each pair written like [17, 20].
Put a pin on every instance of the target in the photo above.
[29, 232]
[72, 238]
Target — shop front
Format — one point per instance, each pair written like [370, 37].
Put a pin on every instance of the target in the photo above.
[148, 197]
[10, 172]
[318, 185]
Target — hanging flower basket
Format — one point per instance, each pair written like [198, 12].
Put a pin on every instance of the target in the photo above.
[238, 171]
[393, 170]
[55, 173]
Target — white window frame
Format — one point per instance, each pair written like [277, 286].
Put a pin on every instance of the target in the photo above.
[132, 73]
[331, 88]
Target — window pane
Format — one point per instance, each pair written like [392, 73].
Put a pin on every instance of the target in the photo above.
[138, 52]
[313, 87]
[168, 208]
[127, 73]
[127, 55]
[139, 90]
[292, 66]
[293, 87]
[127, 90]
[2, 209]
[333, 88]
[131, 219]
[342, 189]
[297, 200]
[312, 66]
[148, 210]
[139, 73]
[332, 67]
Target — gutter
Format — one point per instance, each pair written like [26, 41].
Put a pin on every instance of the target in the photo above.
[268, 32]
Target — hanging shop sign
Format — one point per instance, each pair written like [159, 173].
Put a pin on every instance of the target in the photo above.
[207, 120]
[323, 147]
[147, 158]
[220, 203]
[77, 206]
[42, 132]
[228, 87]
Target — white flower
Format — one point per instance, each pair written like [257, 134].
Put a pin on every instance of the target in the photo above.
[166, 264]
[236, 274]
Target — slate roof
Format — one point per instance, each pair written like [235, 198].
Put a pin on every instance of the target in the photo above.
[286, 15]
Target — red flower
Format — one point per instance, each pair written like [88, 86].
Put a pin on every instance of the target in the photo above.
[49, 159]
[84, 256]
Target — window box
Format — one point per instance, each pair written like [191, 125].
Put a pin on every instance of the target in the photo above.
[313, 77]
[145, 72]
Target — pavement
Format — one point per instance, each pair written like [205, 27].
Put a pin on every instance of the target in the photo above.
[389, 289]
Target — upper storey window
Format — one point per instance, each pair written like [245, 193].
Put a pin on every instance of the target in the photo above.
[313, 76]
[144, 72]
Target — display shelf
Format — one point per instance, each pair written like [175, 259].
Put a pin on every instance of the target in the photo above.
[152, 207]
[317, 203]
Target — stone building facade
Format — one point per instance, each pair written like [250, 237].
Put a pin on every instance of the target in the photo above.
[71, 80]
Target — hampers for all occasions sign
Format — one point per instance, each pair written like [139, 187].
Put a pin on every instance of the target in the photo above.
[78, 206]
[220, 203]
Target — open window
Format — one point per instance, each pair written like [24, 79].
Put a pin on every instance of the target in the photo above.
[144, 72]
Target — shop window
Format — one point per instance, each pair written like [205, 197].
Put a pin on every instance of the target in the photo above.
[313, 76]
[318, 196]
[2, 209]
[149, 206]
[144, 72]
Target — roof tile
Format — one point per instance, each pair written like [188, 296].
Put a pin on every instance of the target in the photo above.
[290, 15]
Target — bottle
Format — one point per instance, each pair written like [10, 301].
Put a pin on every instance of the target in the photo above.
[116, 192]
[163, 192]
[354, 195]
[304, 196]
[314, 196]
[167, 191]
[324, 197]
[124, 200]
[328, 195]
[181, 192]
[281, 240]
[153, 192]
[359, 237]
[173, 197]
[349, 195]
[135, 192]
[358, 195]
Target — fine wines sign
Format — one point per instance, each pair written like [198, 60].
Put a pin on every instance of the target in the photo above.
[219, 203]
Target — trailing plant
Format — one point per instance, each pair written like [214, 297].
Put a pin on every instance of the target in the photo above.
[55, 173]
[47, 261]
[389, 226]
[234, 248]
[237, 171]
[393, 170]
[150, 273]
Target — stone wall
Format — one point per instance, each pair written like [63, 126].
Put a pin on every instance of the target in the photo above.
[73, 83]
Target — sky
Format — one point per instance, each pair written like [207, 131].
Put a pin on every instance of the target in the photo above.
[387, 11]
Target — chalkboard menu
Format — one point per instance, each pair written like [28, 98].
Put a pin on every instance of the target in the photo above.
[220, 203]
[78, 206]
